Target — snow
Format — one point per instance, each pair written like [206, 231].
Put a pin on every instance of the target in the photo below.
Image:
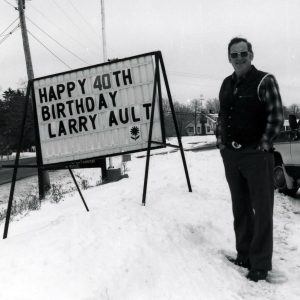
[22, 155]
[172, 248]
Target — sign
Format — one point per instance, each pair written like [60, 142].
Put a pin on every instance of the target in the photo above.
[97, 111]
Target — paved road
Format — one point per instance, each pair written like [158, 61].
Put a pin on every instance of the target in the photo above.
[6, 174]
[205, 147]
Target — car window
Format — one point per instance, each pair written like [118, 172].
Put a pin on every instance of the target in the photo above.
[283, 136]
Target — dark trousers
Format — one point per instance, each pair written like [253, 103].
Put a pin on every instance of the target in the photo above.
[249, 173]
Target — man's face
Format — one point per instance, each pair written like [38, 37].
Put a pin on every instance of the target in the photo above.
[240, 58]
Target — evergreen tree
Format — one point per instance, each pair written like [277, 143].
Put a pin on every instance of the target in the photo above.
[12, 107]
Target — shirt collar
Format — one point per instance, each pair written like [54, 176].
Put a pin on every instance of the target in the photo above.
[245, 76]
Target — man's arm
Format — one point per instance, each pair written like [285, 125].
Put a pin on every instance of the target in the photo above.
[219, 143]
[269, 93]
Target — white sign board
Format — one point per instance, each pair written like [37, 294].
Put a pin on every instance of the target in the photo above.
[97, 111]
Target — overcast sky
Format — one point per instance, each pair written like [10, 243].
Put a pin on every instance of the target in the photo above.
[192, 35]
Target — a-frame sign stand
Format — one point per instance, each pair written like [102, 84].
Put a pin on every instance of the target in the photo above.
[157, 88]
[38, 166]
[157, 94]
[16, 165]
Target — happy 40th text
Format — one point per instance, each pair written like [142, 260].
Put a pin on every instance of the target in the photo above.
[101, 82]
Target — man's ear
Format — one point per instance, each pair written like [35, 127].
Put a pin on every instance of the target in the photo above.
[251, 55]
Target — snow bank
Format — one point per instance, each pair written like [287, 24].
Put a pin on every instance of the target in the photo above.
[173, 248]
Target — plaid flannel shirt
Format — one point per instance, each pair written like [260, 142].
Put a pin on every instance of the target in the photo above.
[268, 93]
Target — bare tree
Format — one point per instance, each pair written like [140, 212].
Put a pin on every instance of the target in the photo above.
[294, 109]
[196, 108]
[212, 105]
[183, 114]
[286, 112]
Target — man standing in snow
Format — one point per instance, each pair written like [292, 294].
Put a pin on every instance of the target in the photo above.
[250, 118]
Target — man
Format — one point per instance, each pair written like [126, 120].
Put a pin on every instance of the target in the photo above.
[250, 118]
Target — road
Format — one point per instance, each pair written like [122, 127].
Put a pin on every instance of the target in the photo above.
[6, 174]
[201, 147]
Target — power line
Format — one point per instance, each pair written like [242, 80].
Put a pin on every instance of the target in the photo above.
[71, 20]
[49, 50]
[75, 55]
[82, 17]
[193, 75]
[61, 29]
[10, 4]
[9, 34]
[9, 26]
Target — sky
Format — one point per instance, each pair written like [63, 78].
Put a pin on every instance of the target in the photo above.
[193, 36]
[173, 248]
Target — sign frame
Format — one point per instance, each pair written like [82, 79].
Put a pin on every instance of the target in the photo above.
[60, 165]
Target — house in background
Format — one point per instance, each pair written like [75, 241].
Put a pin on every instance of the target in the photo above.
[286, 126]
[207, 125]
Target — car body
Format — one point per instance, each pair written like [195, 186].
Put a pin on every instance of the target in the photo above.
[287, 159]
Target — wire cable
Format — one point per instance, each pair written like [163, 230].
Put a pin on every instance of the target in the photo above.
[53, 39]
[9, 34]
[9, 26]
[82, 17]
[61, 29]
[71, 20]
[193, 75]
[10, 4]
[49, 50]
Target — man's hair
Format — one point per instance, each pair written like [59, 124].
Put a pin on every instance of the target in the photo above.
[238, 40]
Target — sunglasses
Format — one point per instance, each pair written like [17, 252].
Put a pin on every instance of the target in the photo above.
[242, 54]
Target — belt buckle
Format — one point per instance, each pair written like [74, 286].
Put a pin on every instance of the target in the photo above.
[236, 145]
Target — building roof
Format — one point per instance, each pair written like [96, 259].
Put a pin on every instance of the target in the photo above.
[213, 117]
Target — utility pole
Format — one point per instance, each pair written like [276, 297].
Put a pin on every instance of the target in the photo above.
[103, 31]
[111, 173]
[21, 7]
[195, 104]
[103, 169]
[202, 116]
[110, 164]
[43, 176]
[195, 115]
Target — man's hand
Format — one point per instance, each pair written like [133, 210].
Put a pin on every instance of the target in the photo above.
[265, 147]
[221, 146]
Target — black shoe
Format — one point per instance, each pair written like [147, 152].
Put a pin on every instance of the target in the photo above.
[244, 263]
[256, 275]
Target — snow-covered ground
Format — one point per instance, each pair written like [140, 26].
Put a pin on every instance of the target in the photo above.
[13, 156]
[172, 248]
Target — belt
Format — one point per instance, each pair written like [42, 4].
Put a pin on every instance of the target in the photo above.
[237, 146]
